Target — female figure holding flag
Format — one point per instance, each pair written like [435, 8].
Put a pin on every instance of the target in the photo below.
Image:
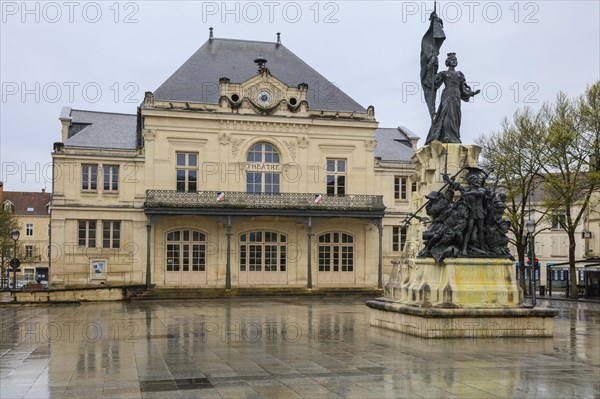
[446, 124]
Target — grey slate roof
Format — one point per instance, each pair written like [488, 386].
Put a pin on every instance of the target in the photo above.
[408, 133]
[101, 129]
[393, 144]
[197, 79]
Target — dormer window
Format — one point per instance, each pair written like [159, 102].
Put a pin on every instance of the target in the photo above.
[30, 209]
[9, 206]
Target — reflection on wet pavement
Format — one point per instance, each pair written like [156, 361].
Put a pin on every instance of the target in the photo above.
[280, 348]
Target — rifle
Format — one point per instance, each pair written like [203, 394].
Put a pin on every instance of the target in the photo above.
[414, 215]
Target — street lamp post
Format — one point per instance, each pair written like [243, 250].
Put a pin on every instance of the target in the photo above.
[15, 262]
[531, 229]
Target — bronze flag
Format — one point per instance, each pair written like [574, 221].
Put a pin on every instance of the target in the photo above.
[430, 49]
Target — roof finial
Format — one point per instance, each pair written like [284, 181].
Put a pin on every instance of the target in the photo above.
[261, 61]
[278, 37]
[210, 35]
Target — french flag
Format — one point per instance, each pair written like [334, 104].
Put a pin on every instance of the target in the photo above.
[318, 198]
[221, 196]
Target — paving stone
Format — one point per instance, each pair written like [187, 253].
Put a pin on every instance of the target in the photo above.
[333, 353]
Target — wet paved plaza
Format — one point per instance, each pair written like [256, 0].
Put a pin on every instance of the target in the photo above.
[280, 348]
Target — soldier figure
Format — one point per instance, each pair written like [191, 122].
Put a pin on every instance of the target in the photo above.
[474, 195]
[439, 204]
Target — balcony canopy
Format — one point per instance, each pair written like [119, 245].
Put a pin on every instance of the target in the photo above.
[230, 203]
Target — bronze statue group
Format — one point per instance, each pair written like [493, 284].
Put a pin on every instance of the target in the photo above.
[471, 226]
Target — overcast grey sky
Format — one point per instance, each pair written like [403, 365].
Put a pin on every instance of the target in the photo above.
[104, 55]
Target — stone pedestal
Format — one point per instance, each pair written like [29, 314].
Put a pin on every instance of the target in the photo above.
[458, 283]
[461, 323]
[461, 297]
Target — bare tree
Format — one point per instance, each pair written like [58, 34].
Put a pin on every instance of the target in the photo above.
[512, 153]
[570, 153]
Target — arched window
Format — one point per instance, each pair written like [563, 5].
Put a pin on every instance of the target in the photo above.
[263, 174]
[186, 251]
[263, 251]
[336, 252]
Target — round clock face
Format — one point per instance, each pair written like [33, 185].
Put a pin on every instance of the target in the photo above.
[264, 98]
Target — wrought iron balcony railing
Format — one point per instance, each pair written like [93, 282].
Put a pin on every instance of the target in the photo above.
[242, 200]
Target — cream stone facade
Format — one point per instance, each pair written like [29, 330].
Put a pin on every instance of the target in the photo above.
[552, 244]
[231, 175]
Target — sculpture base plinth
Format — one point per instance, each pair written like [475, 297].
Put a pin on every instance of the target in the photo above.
[456, 283]
[461, 323]
[461, 297]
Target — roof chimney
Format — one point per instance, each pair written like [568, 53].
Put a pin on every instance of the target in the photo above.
[278, 37]
[65, 121]
[210, 34]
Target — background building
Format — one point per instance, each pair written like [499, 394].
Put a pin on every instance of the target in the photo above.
[31, 210]
[592, 228]
[552, 242]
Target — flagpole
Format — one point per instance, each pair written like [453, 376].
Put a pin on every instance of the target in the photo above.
[433, 48]
[446, 161]
[433, 83]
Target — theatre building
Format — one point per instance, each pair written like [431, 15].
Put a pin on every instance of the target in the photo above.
[245, 168]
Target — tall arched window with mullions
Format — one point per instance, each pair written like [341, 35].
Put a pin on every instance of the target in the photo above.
[263, 173]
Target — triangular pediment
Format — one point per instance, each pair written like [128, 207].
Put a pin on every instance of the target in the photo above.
[263, 94]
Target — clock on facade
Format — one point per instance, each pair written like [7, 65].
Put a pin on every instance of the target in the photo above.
[264, 97]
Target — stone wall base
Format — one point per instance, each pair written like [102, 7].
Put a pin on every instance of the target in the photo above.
[462, 323]
[69, 295]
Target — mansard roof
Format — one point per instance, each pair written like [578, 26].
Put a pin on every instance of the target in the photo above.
[197, 80]
[100, 129]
